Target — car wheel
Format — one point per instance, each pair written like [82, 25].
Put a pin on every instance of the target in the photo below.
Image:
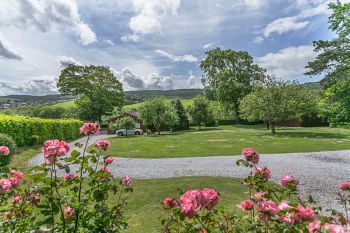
[120, 134]
[137, 133]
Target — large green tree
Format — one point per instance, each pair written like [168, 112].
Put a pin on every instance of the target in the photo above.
[228, 76]
[181, 114]
[98, 89]
[278, 101]
[157, 112]
[200, 112]
[333, 61]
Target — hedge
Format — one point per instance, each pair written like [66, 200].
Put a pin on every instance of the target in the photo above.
[24, 129]
[7, 140]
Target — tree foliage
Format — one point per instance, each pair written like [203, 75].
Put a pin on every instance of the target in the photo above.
[228, 76]
[200, 112]
[123, 123]
[98, 88]
[157, 112]
[276, 102]
[181, 114]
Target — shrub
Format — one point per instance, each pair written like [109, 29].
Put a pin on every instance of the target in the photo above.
[22, 129]
[6, 140]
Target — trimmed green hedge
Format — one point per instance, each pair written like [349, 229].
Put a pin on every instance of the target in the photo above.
[7, 140]
[23, 129]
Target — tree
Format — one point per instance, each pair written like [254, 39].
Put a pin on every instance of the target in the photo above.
[98, 88]
[228, 76]
[276, 102]
[123, 123]
[157, 112]
[200, 112]
[181, 114]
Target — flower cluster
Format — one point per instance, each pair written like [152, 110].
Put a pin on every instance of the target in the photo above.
[251, 155]
[53, 149]
[289, 181]
[4, 150]
[11, 182]
[262, 172]
[90, 128]
[102, 144]
[126, 181]
[345, 186]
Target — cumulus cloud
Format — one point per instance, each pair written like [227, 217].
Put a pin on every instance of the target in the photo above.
[149, 16]
[131, 79]
[194, 82]
[288, 63]
[297, 22]
[41, 86]
[255, 3]
[45, 16]
[258, 40]
[208, 46]
[6, 51]
[67, 61]
[174, 58]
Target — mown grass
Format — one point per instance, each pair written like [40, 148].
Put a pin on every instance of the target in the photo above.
[230, 140]
[144, 209]
[23, 155]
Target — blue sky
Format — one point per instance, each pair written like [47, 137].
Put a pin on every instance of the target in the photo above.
[152, 44]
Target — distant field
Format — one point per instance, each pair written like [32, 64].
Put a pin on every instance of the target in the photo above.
[185, 103]
[65, 104]
[230, 140]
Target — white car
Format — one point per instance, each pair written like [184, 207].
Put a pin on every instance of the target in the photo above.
[121, 132]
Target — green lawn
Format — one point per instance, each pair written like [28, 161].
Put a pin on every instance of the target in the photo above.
[65, 104]
[25, 153]
[144, 209]
[230, 140]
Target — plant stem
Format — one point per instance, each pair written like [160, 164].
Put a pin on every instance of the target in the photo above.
[51, 186]
[80, 185]
[59, 197]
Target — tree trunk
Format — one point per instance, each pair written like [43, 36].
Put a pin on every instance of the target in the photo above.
[236, 111]
[272, 127]
[267, 125]
[158, 130]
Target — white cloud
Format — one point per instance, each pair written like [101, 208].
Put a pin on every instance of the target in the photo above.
[258, 40]
[67, 61]
[255, 3]
[6, 51]
[194, 82]
[108, 41]
[288, 63]
[297, 22]
[46, 16]
[174, 58]
[45, 85]
[208, 46]
[149, 16]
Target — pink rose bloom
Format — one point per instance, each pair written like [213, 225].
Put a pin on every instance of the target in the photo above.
[102, 144]
[4, 150]
[50, 160]
[211, 198]
[170, 203]
[287, 218]
[314, 227]
[304, 214]
[191, 202]
[288, 181]
[283, 205]
[127, 181]
[332, 228]
[105, 169]
[90, 128]
[251, 155]
[5, 185]
[16, 199]
[247, 205]
[345, 186]
[68, 212]
[268, 207]
[264, 172]
[69, 176]
[14, 181]
[108, 160]
[54, 148]
[19, 174]
[259, 195]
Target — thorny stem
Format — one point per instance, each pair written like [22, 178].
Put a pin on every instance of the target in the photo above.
[59, 202]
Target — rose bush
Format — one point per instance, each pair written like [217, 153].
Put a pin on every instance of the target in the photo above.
[42, 201]
[268, 207]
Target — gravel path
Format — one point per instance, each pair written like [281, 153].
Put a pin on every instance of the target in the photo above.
[319, 173]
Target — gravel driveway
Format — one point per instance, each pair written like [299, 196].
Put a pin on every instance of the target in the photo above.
[319, 173]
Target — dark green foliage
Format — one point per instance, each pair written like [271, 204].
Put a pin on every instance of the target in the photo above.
[7, 140]
[123, 123]
[181, 114]
[200, 112]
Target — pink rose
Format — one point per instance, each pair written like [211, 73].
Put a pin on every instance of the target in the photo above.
[287, 218]
[90, 128]
[5, 185]
[251, 155]
[247, 205]
[105, 169]
[16, 199]
[102, 144]
[191, 202]
[289, 181]
[211, 198]
[127, 181]
[267, 209]
[304, 214]
[314, 227]
[332, 228]
[262, 172]
[14, 181]
[68, 212]
[259, 195]
[54, 148]
[50, 160]
[69, 176]
[283, 205]
[345, 186]
[4, 150]
[19, 174]
[108, 160]
[170, 203]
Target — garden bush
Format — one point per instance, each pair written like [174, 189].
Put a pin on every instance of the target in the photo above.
[6, 140]
[22, 129]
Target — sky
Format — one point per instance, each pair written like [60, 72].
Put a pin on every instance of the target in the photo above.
[153, 44]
